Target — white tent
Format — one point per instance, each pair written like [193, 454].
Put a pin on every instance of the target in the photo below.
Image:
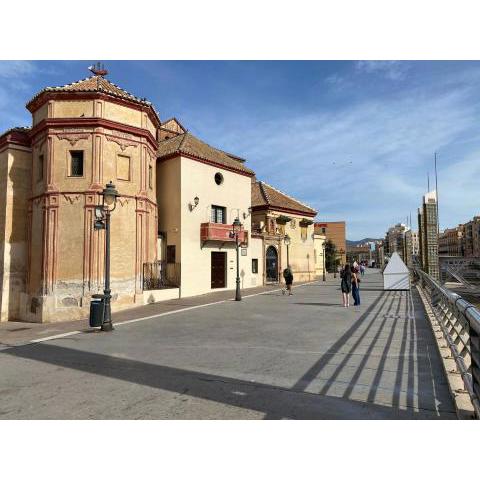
[396, 275]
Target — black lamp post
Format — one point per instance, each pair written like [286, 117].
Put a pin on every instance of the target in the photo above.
[236, 229]
[324, 276]
[286, 239]
[110, 195]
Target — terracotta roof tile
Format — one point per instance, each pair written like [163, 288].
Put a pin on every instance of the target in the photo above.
[190, 145]
[268, 196]
[95, 83]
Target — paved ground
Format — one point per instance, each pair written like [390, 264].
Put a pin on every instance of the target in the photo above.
[267, 357]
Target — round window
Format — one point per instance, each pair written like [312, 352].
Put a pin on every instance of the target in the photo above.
[218, 178]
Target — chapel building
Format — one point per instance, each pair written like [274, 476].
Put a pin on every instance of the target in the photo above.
[171, 228]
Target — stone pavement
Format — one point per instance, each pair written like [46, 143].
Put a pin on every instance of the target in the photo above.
[267, 357]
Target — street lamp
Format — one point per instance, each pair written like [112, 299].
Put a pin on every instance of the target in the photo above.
[286, 239]
[324, 276]
[236, 229]
[110, 195]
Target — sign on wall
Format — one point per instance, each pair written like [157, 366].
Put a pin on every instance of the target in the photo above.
[244, 252]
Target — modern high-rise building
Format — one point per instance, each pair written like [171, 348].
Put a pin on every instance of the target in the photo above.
[428, 234]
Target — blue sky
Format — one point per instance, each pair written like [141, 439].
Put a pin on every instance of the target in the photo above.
[353, 139]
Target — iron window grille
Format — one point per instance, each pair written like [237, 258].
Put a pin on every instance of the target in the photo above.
[76, 163]
[218, 214]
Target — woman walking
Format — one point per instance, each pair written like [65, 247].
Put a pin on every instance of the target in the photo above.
[355, 287]
[346, 284]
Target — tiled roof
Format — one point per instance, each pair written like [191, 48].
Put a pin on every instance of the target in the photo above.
[95, 83]
[16, 129]
[191, 145]
[266, 195]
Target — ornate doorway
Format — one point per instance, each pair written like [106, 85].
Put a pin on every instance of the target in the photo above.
[271, 267]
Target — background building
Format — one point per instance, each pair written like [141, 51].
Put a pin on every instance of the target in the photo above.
[359, 253]
[336, 233]
[472, 237]
[450, 242]
[395, 240]
[428, 234]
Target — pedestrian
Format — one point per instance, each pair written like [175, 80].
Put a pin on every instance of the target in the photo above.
[362, 270]
[355, 287]
[288, 276]
[346, 284]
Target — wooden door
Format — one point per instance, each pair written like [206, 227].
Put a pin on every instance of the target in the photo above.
[219, 269]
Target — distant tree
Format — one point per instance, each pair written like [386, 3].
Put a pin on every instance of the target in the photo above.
[331, 256]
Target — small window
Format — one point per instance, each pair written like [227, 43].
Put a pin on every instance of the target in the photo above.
[170, 253]
[218, 178]
[40, 167]
[150, 176]
[76, 163]
[254, 265]
[218, 214]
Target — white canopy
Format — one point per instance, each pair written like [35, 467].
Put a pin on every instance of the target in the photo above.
[396, 275]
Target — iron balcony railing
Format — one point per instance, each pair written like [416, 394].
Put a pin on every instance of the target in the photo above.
[460, 324]
[160, 274]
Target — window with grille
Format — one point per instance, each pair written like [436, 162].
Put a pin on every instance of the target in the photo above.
[218, 214]
[254, 265]
[40, 167]
[76, 163]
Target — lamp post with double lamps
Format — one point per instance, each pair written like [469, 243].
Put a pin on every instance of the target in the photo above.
[109, 195]
[236, 229]
[286, 239]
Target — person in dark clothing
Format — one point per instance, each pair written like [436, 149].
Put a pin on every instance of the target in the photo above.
[346, 284]
[355, 287]
[288, 276]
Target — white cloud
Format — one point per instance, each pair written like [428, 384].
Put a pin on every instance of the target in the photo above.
[366, 162]
[390, 69]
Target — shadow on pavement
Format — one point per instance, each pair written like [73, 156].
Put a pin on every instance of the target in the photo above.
[275, 402]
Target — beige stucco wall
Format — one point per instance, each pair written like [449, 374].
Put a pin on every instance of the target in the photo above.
[14, 190]
[197, 179]
[72, 108]
[257, 251]
[169, 204]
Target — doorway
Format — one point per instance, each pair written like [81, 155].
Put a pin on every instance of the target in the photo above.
[219, 269]
[271, 266]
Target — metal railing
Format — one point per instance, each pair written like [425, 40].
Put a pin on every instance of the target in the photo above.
[158, 275]
[460, 324]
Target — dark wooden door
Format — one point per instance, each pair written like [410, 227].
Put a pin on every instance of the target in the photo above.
[219, 269]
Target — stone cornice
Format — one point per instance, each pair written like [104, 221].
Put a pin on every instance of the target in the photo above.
[65, 95]
[92, 122]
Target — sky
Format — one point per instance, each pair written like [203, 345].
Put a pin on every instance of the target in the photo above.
[353, 139]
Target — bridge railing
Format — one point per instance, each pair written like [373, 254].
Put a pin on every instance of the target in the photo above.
[460, 324]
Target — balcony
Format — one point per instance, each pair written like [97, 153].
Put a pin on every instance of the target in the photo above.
[220, 232]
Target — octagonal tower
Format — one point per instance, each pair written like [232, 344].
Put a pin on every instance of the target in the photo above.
[83, 135]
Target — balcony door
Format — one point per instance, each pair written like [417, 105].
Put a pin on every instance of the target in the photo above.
[219, 269]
